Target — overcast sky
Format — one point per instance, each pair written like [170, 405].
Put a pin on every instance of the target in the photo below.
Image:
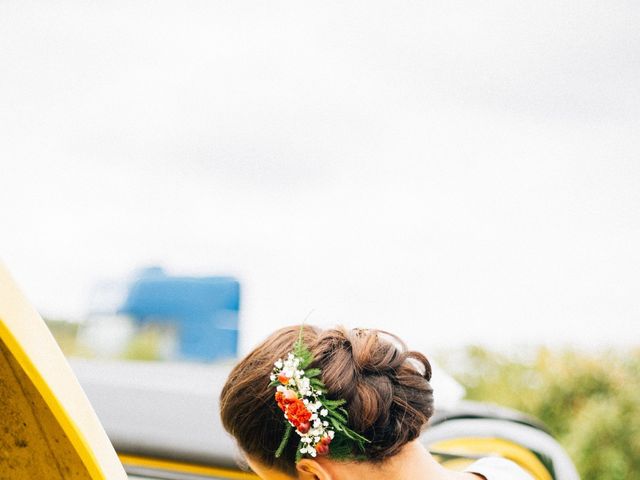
[452, 171]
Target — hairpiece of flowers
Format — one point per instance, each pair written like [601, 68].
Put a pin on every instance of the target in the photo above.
[318, 420]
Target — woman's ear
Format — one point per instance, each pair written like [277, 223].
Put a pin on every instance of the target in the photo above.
[309, 469]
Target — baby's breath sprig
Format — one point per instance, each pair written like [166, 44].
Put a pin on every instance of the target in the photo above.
[318, 420]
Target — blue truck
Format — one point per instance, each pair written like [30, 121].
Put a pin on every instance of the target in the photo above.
[204, 310]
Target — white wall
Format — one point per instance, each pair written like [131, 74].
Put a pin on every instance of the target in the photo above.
[451, 171]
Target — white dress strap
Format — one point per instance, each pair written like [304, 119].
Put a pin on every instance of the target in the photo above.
[498, 468]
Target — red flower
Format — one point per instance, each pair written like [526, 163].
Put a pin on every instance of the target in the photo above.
[297, 413]
[285, 398]
[304, 427]
[289, 396]
[322, 448]
[295, 409]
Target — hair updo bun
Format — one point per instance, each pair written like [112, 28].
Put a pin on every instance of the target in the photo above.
[386, 388]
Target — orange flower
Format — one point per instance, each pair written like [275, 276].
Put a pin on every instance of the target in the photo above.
[285, 398]
[297, 413]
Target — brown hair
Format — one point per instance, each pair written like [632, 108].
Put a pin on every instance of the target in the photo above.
[386, 388]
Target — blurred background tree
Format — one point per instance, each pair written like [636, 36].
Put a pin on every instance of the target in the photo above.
[589, 400]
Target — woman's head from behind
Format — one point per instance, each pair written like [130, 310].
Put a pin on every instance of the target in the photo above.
[386, 389]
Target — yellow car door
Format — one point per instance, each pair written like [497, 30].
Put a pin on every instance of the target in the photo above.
[48, 429]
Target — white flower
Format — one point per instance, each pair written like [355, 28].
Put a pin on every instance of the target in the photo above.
[310, 396]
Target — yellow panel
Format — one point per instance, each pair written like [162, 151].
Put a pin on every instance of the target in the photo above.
[32, 443]
[481, 446]
[458, 464]
[184, 467]
[48, 427]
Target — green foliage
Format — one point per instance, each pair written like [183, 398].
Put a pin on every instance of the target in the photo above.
[589, 401]
[145, 345]
[300, 351]
[285, 439]
[65, 333]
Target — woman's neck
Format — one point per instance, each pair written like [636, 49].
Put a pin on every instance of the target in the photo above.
[413, 462]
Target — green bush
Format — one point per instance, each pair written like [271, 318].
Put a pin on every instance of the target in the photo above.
[589, 401]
